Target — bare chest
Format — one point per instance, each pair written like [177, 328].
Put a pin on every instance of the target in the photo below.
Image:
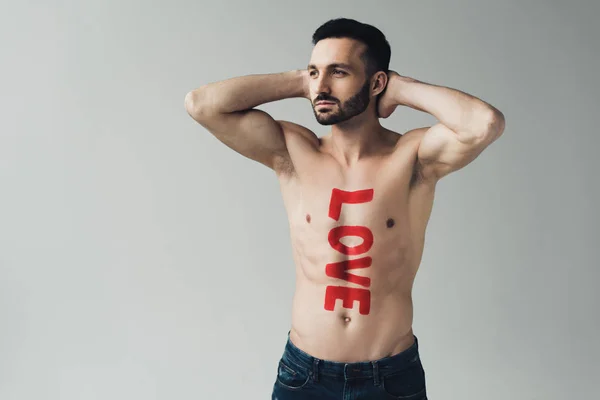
[351, 210]
[351, 231]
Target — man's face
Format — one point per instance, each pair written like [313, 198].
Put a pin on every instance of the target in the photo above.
[337, 76]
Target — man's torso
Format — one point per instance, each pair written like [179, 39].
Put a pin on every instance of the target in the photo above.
[357, 238]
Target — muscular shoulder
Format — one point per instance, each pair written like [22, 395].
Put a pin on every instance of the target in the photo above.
[415, 135]
[295, 131]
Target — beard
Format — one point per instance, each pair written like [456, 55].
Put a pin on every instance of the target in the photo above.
[352, 107]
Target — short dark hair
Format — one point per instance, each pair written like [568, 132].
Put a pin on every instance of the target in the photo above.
[378, 53]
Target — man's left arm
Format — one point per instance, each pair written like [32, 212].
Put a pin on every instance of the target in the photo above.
[467, 125]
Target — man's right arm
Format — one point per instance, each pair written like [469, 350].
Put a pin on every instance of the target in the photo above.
[225, 109]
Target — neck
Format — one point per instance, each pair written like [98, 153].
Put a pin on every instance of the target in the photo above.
[356, 138]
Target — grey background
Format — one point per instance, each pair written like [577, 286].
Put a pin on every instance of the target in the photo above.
[142, 259]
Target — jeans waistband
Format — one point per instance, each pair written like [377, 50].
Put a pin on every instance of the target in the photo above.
[364, 369]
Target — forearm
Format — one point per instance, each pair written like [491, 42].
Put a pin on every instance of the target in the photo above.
[464, 114]
[246, 92]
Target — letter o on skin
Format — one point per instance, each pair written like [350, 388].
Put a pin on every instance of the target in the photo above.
[337, 233]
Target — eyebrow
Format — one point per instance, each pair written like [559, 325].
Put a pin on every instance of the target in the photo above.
[334, 65]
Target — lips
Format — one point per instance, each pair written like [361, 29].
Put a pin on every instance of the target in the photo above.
[325, 103]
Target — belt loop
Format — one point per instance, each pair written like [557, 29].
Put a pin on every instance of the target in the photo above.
[315, 370]
[375, 372]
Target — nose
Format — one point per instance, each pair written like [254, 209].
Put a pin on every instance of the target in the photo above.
[322, 85]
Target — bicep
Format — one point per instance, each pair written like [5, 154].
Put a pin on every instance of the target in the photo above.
[441, 152]
[252, 133]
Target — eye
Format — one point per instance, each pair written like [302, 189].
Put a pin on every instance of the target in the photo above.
[311, 73]
[338, 72]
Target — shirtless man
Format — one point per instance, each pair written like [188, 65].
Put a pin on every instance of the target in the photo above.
[358, 201]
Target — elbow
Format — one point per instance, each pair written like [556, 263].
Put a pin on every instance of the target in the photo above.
[195, 104]
[189, 102]
[494, 124]
[497, 123]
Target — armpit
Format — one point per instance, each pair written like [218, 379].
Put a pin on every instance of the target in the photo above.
[417, 175]
[283, 166]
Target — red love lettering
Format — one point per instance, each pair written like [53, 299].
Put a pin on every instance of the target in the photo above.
[340, 269]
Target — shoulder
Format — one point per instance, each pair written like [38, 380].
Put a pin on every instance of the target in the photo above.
[292, 131]
[416, 134]
[407, 143]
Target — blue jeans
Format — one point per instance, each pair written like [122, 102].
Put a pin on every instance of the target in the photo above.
[301, 376]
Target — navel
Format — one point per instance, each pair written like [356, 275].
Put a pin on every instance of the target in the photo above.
[390, 222]
[308, 218]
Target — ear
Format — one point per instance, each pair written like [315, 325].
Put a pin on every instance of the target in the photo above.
[379, 82]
